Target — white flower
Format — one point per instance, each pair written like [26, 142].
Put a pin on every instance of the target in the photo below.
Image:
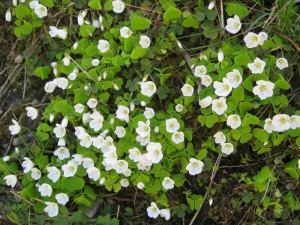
[165, 213]
[53, 173]
[268, 126]
[110, 157]
[121, 166]
[195, 166]
[78, 158]
[187, 90]
[178, 137]
[220, 138]
[80, 19]
[262, 37]
[32, 112]
[70, 168]
[33, 4]
[95, 62]
[59, 131]
[87, 163]
[295, 121]
[122, 113]
[144, 163]
[264, 89]
[179, 44]
[120, 131]
[79, 108]
[156, 129]
[62, 153]
[45, 190]
[220, 55]
[92, 103]
[61, 82]
[210, 201]
[143, 140]
[62, 198]
[179, 108]
[108, 144]
[66, 60]
[127, 173]
[118, 6]
[96, 23]
[75, 45]
[86, 117]
[144, 41]
[103, 45]
[211, 5]
[143, 129]
[35, 173]
[8, 15]
[168, 183]
[227, 148]
[96, 122]
[219, 106]
[93, 173]
[102, 180]
[233, 24]
[49, 87]
[62, 33]
[234, 121]
[172, 125]
[6, 158]
[53, 33]
[98, 141]
[234, 78]
[222, 89]
[252, 40]
[143, 103]
[124, 182]
[125, 32]
[204, 103]
[200, 71]
[206, 80]
[10, 180]
[282, 63]
[134, 154]
[154, 152]
[40, 10]
[153, 210]
[140, 185]
[257, 66]
[14, 129]
[27, 165]
[149, 113]
[148, 88]
[51, 209]
[281, 122]
[299, 163]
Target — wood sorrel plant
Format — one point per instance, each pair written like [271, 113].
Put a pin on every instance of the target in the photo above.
[122, 119]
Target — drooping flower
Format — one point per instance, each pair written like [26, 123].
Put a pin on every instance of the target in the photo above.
[187, 90]
[195, 166]
[204, 103]
[51, 209]
[118, 6]
[61, 82]
[53, 173]
[27, 165]
[79, 108]
[257, 66]
[233, 24]
[268, 126]
[93, 173]
[227, 148]
[172, 125]
[70, 168]
[206, 80]
[178, 137]
[62, 33]
[125, 32]
[66, 60]
[262, 37]
[33, 4]
[62, 198]
[32, 112]
[220, 138]
[80, 19]
[8, 15]
[144, 41]
[282, 63]
[62, 153]
[234, 121]
[14, 129]
[103, 45]
[148, 88]
[281, 122]
[220, 55]
[11, 180]
[219, 106]
[45, 190]
[49, 87]
[165, 213]
[264, 89]
[122, 113]
[222, 88]
[124, 182]
[168, 183]
[234, 78]
[295, 121]
[6, 158]
[143, 129]
[96, 23]
[96, 122]
[252, 40]
[120, 131]
[40, 10]
[154, 152]
[179, 108]
[95, 62]
[35, 173]
[53, 31]
[140, 185]
[153, 210]
[148, 113]
[211, 5]
[200, 71]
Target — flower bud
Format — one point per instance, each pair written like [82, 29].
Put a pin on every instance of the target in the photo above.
[132, 106]
[80, 19]
[51, 118]
[220, 56]
[15, 2]
[115, 86]
[6, 158]
[86, 88]
[156, 129]
[179, 44]
[17, 150]
[102, 180]
[211, 5]
[8, 15]
[64, 122]
[75, 45]
[83, 13]
[112, 120]
[143, 103]
[210, 201]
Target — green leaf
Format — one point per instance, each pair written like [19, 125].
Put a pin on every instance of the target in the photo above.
[260, 134]
[86, 30]
[74, 183]
[202, 154]
[238, 93]
[211, 14]
[200, 16]
[47, 3]
[95, 4]
[281, 83]
[245, 138]
[60, 105]
[27, 28]
[244, 107]
[277, 139]
[129, 44]
[81, 199]
[242, 59]
[211, 120]
[263, 175]
[43, 161]
[190, 22]
[89, 192]
[20, 11]
[172, 14]
[138, 52]
[140, 23]
[236, 9]
[42, 72]
[92, 51]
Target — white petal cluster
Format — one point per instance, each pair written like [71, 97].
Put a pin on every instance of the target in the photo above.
[125, 32]
[178, 137]
[53, 173]
[14, 129]
[144, 41]
[220, 138]
[282, 63]
[219, 106]
[96, 121]
[206, 80]
[253, 40]
[70, 168]
[93, 173]
[148, 88]
[51, 209]
[149, 113]
[172, 125]
[122, 113]
[103, 45]
[200, 71]
[120, 131]
[153, 210]
[54, 32]
[118, 6]
[222, 88]
[36, 173]
[195, 166]
[45, 190]
[204, 103]
[227, 148]
[257, 66]
[234, 78]
[143, 129]
[62, 153]
[234, 121]
[62, 198]
[32, 112]
[11, 180]
[263, 89]
[154, 152]
[27, 164]
[168, 183]
[233, 24]
[187, 90]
